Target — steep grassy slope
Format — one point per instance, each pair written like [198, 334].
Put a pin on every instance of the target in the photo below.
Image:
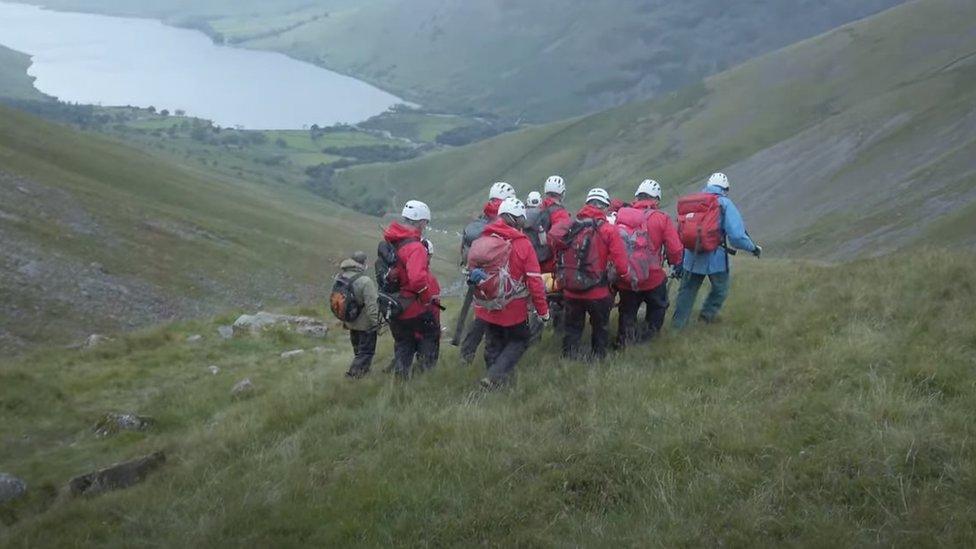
[851, 142]
[540, 60]
[95, 235]
[827, 410]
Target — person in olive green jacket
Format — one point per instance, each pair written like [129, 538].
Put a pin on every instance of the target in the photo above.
[363, 330]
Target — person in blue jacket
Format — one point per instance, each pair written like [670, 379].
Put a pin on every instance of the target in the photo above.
[714, 265]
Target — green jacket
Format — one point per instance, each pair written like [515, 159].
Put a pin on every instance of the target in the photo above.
[366, 294]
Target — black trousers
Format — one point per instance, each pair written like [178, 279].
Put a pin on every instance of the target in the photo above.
[420, 337]
[576, 311]
[556, 311]
[629, 329]
[504, 346]
[472, 339]
[364, 349]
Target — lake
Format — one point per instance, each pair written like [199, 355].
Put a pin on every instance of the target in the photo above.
[102, 60]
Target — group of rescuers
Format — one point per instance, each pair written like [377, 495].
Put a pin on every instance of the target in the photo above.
[528, 264]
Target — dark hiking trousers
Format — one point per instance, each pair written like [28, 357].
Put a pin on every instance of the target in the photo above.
[556, 312]
[576, 311]
[504, 346]
[420, 337]
[629, 328]
[472, 339]
[690, 284]
[363, 348]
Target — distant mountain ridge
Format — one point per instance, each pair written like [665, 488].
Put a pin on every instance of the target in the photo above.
[536, 61]
[857, 142]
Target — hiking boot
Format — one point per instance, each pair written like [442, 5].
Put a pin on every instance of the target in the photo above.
[709, 319]
[356, 374]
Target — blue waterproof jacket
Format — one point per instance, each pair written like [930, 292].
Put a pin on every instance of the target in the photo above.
[735, 234]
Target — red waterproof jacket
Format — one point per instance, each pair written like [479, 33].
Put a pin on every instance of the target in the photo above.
[412, 269]
[611, 250]
[522, 265]
[663, 235]
[558, 215]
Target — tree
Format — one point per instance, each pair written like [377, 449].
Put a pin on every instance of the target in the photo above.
[164, 113]
[151, 109]
[179, 112]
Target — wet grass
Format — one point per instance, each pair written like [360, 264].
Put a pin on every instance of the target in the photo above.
[832, 406]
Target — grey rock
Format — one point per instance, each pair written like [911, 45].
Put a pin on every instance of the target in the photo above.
[312, 330]
[293, 354]
[113, 423]
[213, 369]
[116, 477]
[195, 338]
[242, 389]
[11, 488]
[95, 340]
[256, 323]
[322, 350]
[225, 332]
[31, 269]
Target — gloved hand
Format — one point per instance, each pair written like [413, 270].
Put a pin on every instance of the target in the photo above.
[545, 318]
[758, 251]
[677, 271]
[477, 276]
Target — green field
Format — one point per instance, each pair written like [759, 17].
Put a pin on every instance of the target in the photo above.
[14, 81]
[873, 117]
[827, 409]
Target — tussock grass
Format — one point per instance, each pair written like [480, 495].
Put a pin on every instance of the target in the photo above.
[832, 406]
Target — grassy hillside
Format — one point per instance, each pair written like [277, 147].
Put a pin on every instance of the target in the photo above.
[95, 235]
[852, 142]
[14, 81]
[537, 60]
[827, 409]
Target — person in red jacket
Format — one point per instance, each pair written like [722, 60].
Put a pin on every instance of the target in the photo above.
[552, 204]
[552, 207]
[476, 332]
[652, 292]
[596, 301]
[508, 332]
[413, 273]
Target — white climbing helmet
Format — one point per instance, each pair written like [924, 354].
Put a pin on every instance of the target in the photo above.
[534, 199]
[415, 210]
[501, 191]
[649, 187]
[512, 206]
[599, 195]
[555, 184]
[719, 180]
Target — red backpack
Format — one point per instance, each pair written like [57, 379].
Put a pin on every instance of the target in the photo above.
[700, 222]
[578, 266]
[643, 254]
[491, 255]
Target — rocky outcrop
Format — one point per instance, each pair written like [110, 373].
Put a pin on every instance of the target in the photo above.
[95, 340]
[118, 476]
[256, 323]
[242, 389]
[113, 423]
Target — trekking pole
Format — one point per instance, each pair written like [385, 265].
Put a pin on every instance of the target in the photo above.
[463, 316]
